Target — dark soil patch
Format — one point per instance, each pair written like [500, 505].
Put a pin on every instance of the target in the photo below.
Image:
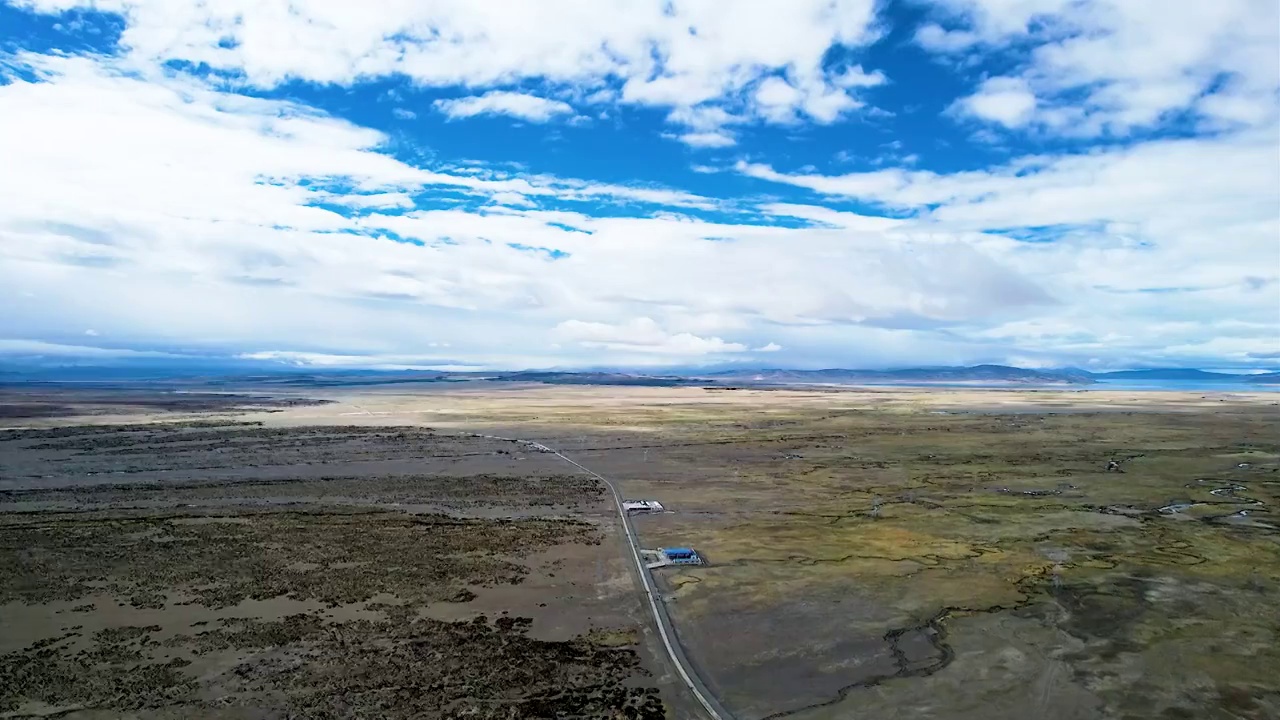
[334, 558]
[303, 666]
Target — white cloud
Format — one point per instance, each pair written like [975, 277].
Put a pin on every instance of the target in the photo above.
[337, 361]
[1235, 177]
[666, 54]
[601, 96]
[233, 142]
[1235, 105]
[704, 118]
[777, 99]
[641, 335]
[404, 114]
[1173, 228]
[159, 209]
[834, 218]
[855, 77]
[21, 346]
[879, 185]
[510, 198]
[1115, 66]
[497, 102]
[99, 204]
[933, 37]
[706, 139]
[371, 200]
[1008, 101]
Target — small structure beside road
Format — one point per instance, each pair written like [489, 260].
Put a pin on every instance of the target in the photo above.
[654, 559]
[681, 556]
[636, 507]
[663, 557]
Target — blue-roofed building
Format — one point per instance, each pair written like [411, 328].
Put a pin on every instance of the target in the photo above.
[682, 556]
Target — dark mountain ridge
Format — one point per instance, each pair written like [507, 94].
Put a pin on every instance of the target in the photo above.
[1177, 374]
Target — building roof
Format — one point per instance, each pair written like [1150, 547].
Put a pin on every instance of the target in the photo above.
[678, 551]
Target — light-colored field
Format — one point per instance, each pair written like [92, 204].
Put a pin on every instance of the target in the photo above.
[639, 408]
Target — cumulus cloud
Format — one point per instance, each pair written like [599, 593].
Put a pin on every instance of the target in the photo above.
[854, 76]
[510, 198]
[211, 218]
[1118, 66]
[665, 54]
[99, 204]
[1129, 245]
[1109, 230]
[642, 335]
[497, 102]
[933, 37]
[777, 99]
[1008, 101]
[1145, 185]
[706, 139]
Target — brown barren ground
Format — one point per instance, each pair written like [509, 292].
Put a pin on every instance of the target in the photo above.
[220, 568]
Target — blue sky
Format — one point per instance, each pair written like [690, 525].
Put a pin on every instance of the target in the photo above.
[591, 183]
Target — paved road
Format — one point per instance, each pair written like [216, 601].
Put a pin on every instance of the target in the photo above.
[688, 674]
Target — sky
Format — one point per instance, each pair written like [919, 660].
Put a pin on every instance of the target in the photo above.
[618, 183]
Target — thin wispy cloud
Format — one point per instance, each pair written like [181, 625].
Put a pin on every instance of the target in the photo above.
[497, 102]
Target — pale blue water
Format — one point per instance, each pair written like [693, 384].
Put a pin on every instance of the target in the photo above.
[1143, 385]
[1181, 385]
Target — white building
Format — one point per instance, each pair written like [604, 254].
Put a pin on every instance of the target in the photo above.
[642, 506]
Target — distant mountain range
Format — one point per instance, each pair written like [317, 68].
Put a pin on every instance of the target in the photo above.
[974, 375]
[263, 375]
[1188, 374]
[596, 378]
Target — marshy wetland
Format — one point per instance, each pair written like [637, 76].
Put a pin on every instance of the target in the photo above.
[872, 554]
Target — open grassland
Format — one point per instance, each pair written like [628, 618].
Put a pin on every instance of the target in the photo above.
[941, 554]
[1142, 593]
